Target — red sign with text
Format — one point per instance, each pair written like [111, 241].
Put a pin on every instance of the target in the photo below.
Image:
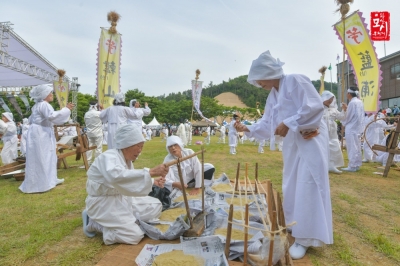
[380, 26]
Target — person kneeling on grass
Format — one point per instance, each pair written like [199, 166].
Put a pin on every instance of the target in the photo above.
[117, 193]
[191, 168]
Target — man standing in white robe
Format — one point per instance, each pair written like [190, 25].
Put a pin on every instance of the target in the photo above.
[118, 193]
[294, 111]
[181, 132]
[41, 157]
[354, 126]
[207, 139]
[221, 138]
[10, 139]
[232, 134]
[94, 131]
[140, 112]
[25, 127]
[188, 130]
[331, 114]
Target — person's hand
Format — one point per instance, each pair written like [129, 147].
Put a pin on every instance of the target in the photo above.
[70, 106]
[146, 104]
[178, 185]
[101, 106]
[344, 107]
[159, 170]
[281, 130]
[194, 191]
[309, 134]
[240, 127]
[159, 182]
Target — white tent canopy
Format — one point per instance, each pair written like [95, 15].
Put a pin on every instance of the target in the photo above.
[154, 123]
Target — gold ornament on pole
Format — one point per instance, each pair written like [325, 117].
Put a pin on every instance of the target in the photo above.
[61, 73]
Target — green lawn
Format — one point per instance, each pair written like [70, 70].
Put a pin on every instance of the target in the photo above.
[46, 229]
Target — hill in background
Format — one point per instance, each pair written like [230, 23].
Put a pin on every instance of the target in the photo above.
[230, 99]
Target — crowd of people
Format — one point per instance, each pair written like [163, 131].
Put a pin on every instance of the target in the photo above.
[297, 121]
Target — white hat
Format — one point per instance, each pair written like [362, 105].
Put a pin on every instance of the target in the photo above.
[39, 93]
[119, 97]
[128, 135]
[174, 140]
[326, 95]
[9, 116]
[265, 67]
[25, 121]
[132, 103]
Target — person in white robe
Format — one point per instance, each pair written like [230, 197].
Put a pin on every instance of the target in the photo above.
[140, 112]
[165, 132]
[10, 140]
[70, 130]
[25, 127]
[191, 169]
[41, 157]
[222, 131]
[372, 137]
[353, 128]
[149, 132]
[207, 139]
[233, 134]
[294, 111]
[261, 144]
[331, 114]
[188, 130]
[94, 131]
[181, 132]
[116, 116]
[118, 193]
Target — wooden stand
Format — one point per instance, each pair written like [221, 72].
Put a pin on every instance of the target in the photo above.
[391, 148]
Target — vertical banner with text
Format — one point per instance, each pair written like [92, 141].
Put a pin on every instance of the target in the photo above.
[108, 67]
[61, 90]
[380, 26]
[197, 87]
[361, 52]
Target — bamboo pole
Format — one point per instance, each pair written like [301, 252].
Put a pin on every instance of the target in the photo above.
[183, 158]
[246, 233]
[271, 242]
[237, 177]
[184, 194]
[229, 232]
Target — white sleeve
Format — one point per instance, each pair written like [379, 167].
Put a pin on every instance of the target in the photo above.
[146, 111]
[55, 117]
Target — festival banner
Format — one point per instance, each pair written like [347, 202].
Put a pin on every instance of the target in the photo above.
[62, 91]
[363, 59]
[25, 101]
[14, 103]
[108, 67]
[4, 105]
[197, 87]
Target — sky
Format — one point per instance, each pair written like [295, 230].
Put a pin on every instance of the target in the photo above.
[165, 41]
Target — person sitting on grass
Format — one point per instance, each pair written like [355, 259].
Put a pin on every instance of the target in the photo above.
[191, 168]
[117, 193]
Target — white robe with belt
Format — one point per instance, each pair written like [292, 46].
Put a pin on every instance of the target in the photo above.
[41, 157]
[232, 134]
[305, 183]
[117, 196]
[10, 149]
[140, 112]
[181, 132]
[115, 116]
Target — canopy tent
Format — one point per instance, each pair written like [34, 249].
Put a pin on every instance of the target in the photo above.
[154, 123]
[20, 64]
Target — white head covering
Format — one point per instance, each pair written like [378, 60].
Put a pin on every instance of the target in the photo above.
[70, 121]
[39, 93]
[132, 103]
[128, 135]
[349, 90]
[265, 67]
[326, 95]
[119, 97]
[25, 121]
[174, 140]
[92, 106]
[9, 116]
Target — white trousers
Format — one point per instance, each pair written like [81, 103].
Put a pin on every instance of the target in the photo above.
[98, 141]
[353, 146]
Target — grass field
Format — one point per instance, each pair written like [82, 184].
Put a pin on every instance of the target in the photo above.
[46, 228]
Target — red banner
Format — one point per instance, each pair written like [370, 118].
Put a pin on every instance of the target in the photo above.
[380, 26]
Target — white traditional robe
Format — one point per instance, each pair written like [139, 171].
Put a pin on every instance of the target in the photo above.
[140, 112]
[188, 130]
[117, 196]
[232, 137]
[94, 132]
[331, 114]
[24, 136]
[305, 183]
[191, 169]
[41, 157]
[149, 132]
[222, 130]
[208, 138]
[354, 126]
[115, 116]
[10, 149]
[181, 132]
[105, 133]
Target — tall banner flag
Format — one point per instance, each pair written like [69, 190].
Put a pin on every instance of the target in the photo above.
[25, 101]
[14, 103]
[108, 62]
[61, 90]
[365, 63]
[197, 87]
[4, 105]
